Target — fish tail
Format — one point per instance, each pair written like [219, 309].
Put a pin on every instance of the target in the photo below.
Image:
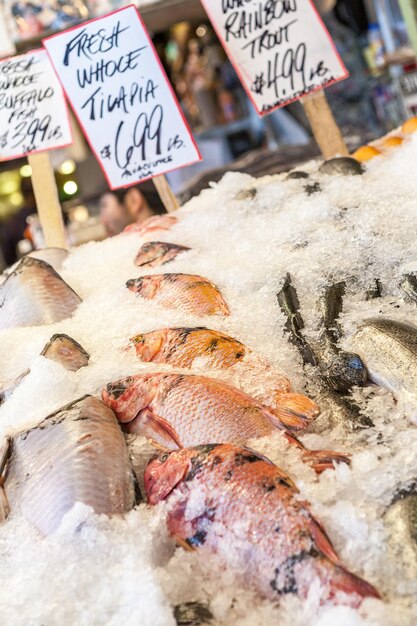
[295, 411]
[346, 582]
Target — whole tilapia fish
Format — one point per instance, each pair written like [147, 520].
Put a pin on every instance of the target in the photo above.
[192, 294]
[34, 294]
[54, 256]
[389, 350]
[175, 410]
[249, 513]
[67, 352]
[401, 523]
[182, 346]
[60, 348]
[157, 253]
[77, 454]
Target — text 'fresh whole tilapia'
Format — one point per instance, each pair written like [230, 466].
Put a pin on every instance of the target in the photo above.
[231, 501]
[188, 293]
[175, 411]
[34, 294]
[77, 454]
[389, 351]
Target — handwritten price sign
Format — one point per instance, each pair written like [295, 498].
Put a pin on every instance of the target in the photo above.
[33, 113]
[280, 49]
[121, 95]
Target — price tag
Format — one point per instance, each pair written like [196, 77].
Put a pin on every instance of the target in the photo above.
[119, 91]
[280, 49]
[33, 112]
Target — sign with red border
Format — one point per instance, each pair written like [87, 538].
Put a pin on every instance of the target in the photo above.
[33, 111]
[280, 49]
[122, 98]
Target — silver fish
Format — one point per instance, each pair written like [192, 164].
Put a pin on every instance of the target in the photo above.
[34, 294]
[389, 350]
[77, 454]
[401, 522]
[7, 387]
[54, 256]
[67, 352]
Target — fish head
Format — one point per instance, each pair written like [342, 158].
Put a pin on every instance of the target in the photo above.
[146, 286]
[127, 396]
[148, 345]
[165, 473]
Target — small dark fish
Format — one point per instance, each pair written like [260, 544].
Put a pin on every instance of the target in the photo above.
[77, 454]
[34, 295]
[290, 306]
[342, 165]
[157, 253]
[297, 174]
[375, 291]
[401, 522]
[342, 409]
[409, 286]
[312, 189]
[247, 194]
[332, 306]
[67, 352]
[192, 614]
[249, 513]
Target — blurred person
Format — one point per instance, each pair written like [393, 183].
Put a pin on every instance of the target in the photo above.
[141, 202]
[113, 214]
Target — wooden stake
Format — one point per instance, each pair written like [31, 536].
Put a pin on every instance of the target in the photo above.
[325, 129]
[169, 199]
[47, 201]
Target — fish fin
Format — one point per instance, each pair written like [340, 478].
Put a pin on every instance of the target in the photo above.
[346, 582]
[322, 541]
[150, 425]
[183, 544]
[5, 450]
[294, 411]
[321, 460]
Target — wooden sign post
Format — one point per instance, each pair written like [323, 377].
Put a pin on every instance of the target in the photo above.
[282, 52]
[121, 96]
[47, 201]
[324, 126]
[34, 119]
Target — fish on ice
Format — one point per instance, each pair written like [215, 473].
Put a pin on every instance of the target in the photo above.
[176, 411]
[34, 295]
[157, 253]
[189, 293]
[249, 513]
[77, 454]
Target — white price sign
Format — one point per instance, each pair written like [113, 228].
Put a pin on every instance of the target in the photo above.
[33, 112]
[280, 49]
[119, 91]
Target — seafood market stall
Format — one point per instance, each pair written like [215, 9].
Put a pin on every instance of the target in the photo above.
[272, 326]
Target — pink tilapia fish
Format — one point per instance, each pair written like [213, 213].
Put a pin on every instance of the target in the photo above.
[157, 253]
[77, 454]
[177, 411]
[152, 224]
[54, 256]
[34, 295]
[186, 292]
[180, 347]
[230, 501]
[61, 349]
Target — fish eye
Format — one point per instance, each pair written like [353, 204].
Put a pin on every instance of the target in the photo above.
[164, 457]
